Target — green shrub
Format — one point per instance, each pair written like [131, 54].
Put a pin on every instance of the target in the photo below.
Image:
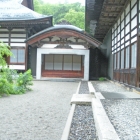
[13, 83]
[9, 74]
[5, 87]
[23, 82]
[102, 79]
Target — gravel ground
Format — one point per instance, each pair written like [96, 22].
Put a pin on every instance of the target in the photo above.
[124, 114]
[82, 127]
[84, 88]
[111, 90]
[38, 115]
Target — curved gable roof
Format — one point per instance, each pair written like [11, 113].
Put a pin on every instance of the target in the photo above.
[63, 30]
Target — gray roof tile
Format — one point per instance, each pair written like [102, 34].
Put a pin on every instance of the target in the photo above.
[13, 10]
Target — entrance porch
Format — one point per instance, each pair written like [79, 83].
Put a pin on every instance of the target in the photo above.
[63, 63]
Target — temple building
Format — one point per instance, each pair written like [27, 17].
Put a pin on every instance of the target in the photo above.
[109, 49]
[116, 24]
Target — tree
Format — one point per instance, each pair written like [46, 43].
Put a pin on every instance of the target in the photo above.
[75, 18]
[73, 13]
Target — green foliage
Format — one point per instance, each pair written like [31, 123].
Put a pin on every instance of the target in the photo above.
[10, 81]
[4, 52]
[9, 74]
[73, 13]
[13, 83]
[73, 17]
[5, 87]
[23, 82]
[102, 79]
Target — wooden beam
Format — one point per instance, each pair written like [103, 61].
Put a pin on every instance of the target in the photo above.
[110, 12]
[114, 5]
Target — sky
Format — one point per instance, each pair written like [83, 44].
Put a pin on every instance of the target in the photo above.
[63, 1]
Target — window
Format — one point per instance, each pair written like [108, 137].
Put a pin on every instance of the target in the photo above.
[127, 57]
[18, 56]
[133, 55]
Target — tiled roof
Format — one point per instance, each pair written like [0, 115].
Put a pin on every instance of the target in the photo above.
[13, 10]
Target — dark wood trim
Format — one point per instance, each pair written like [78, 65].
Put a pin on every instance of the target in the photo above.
[64, 33]
[26, 57]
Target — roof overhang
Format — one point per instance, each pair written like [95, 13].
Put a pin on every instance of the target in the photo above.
[45, 20]
[63, 31]
[101, 16]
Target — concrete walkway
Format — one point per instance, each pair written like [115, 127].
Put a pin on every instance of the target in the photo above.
[111, 90]
[37, 115]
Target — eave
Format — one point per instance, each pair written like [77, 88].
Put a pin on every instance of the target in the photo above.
[21, 22]
[63, 32]
[109, 13]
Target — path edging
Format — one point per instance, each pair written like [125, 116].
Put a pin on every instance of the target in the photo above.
[105, 129]
[66, 131]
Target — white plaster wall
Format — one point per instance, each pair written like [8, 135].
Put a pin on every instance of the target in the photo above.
[17, 67]
[41, 51]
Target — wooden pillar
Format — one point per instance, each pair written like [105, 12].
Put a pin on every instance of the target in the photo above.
[138, 63]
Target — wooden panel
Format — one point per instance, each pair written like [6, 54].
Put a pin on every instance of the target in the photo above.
[63, 73]
[132, 79]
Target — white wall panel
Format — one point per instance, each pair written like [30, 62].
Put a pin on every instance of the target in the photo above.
[127, 19]
[3, 30]
[122, 16]
[17, 40]
[122, 24]
[76, 62]
[127, 29]
[127, 37]
[4, 39]
[134, 39]
[4, 35]
[18, 35]
[122, 33]
[127, 9]
[49, 62]
[122, 46]
[17, 44]
[17, 67]
[127, 43]
[133, 23]
[122, 41]
[118, 22]
[133, 2]
[67, 62]
[134, 11]
[58, 59]
[19, 30]
[134, 32]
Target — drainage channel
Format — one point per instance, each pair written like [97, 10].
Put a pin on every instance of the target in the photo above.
[83, 126]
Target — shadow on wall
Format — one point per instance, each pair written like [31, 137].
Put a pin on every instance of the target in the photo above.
[98, 64]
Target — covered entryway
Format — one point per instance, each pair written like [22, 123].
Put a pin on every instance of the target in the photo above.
[61, 51]
[54, 66]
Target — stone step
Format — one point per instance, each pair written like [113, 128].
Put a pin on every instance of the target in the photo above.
[82, 98]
